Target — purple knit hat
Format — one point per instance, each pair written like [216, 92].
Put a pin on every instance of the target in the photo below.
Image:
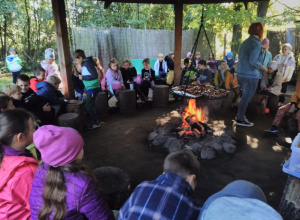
[265, 41]
[58, 145]
[188, 54]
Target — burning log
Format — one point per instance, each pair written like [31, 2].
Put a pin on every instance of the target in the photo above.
[181, 133]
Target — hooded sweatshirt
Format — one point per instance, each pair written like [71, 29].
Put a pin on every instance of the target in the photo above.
[13, 63]
[50, 69]
[17, 171]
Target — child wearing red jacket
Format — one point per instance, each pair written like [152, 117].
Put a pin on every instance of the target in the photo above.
[17, 165]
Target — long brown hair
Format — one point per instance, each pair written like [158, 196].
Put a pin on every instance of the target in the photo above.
[13, 122]
[54, 194]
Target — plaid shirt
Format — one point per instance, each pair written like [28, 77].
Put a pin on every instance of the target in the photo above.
[167, 197]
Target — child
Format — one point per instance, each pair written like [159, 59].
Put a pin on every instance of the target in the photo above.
[14, 91]
[271, 83]
[231, 83]
[160, 66]
[290, 108]
[6, 103]
[63, 186]
[89, 76]
[212, 63]
[197, 58]
[220, 75]
[17, 165]
[78, 85]
[49, 91]
[267, 56]
[49, 65]
[129, 74]
[148, 76]
[14, 64]
[171, 195]
[229, 59]
[100, 70]
[170, 60]
[39, 75]
[203, 73]
[34, 103]
[188, 73]
[114, 79]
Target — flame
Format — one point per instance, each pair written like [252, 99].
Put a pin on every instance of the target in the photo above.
[193, 110]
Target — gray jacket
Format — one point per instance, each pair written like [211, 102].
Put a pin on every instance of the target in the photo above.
[276, 86]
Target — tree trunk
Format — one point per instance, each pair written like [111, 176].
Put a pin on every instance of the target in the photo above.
[236, 33]
[225, 41]
[5, 34]
[289, 207]
[2, 44]
[262, 8]
[28, 30]
[138, 14]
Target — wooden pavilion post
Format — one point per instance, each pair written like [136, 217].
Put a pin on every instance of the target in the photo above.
[59, 14]
[178, 7]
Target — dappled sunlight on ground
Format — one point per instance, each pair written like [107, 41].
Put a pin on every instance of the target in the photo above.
[277, 148]
[252, 142]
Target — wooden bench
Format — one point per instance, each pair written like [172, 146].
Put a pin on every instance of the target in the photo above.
[71, 120]
[127, 99]
[160, 95]
[77, 107]
[258, 104]
[114, 185]
[101, 104]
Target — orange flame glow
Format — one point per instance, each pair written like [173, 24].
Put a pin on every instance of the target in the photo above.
[193, 110]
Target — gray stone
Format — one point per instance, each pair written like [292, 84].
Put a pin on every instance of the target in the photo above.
[159, 140]
[172, 144]
[231, 133]
[227, 139]
[208, 153]
[152, 135]
[217, 147]
[229, 148]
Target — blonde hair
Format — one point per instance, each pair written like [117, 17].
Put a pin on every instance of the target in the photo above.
[11, 89]
[113, 61]
[160, 55]
[288, 45]
[54, 80]
[99, 67]
[198, 53]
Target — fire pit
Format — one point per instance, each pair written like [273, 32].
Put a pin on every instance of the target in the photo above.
[190, 129]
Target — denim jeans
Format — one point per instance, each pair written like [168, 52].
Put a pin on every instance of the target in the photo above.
[249, 86]
[15, 76]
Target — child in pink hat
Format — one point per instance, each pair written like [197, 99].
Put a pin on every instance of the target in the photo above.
[63, 187]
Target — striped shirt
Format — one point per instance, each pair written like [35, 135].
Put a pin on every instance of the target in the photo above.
[167, 197]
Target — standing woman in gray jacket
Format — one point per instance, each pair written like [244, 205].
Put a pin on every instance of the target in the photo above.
[248, 69]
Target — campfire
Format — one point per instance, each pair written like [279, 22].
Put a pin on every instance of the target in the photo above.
[189, 128]
[193, 122]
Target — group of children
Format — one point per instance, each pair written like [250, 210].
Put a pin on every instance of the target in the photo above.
[222, 76]
[63, 187]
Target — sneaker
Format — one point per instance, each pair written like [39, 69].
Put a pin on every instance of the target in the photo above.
[273, 129]
[93, 125]
[245, 119]
[244, 123]
[144, 99]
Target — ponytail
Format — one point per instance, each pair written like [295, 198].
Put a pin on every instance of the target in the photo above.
[54, 194]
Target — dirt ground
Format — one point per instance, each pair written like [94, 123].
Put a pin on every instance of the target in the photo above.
[121, 141]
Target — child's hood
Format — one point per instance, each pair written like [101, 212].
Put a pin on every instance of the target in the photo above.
[12, 164]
